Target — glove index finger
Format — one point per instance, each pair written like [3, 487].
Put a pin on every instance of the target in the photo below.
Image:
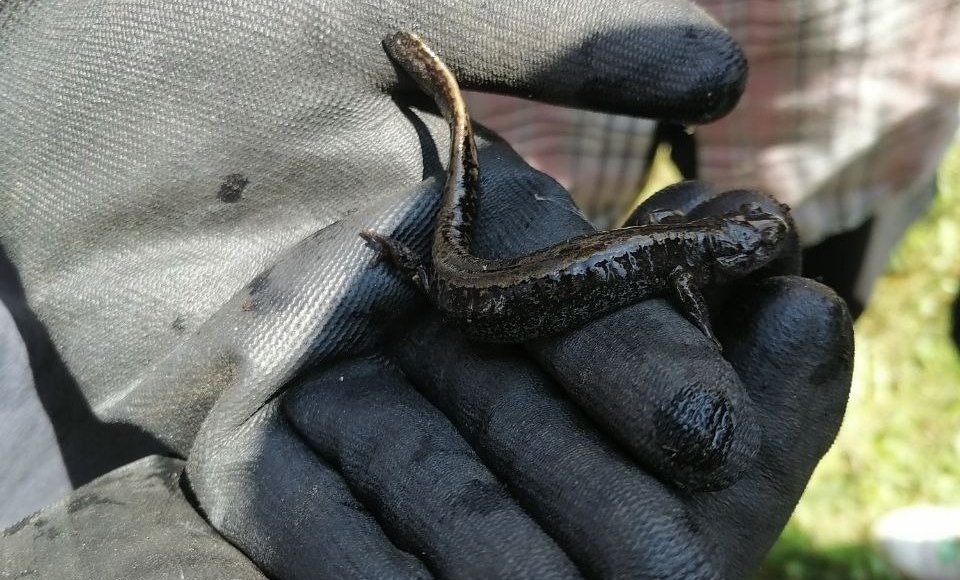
[664, 59]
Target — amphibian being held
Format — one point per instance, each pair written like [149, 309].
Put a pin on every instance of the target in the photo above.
[570, 283]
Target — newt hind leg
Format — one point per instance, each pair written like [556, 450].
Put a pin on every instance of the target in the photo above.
[689, 299]
[400, 256]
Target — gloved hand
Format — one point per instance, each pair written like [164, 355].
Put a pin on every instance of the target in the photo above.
[207, 151]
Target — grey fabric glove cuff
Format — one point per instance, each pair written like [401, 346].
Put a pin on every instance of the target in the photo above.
[133, 522]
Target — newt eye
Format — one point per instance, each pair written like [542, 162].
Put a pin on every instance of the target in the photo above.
[752, 210]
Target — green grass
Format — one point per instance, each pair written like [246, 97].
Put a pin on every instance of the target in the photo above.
[900, 440]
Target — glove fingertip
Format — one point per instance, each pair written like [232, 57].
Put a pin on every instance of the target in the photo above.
[794, 340]
[718, 438]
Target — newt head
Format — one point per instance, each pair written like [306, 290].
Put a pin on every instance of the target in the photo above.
[748, 240]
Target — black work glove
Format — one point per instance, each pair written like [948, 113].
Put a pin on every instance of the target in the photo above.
[207, 151]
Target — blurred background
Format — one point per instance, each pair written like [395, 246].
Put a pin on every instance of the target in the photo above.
[900, 440]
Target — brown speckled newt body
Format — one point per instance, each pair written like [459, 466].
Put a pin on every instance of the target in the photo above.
[570, 283]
